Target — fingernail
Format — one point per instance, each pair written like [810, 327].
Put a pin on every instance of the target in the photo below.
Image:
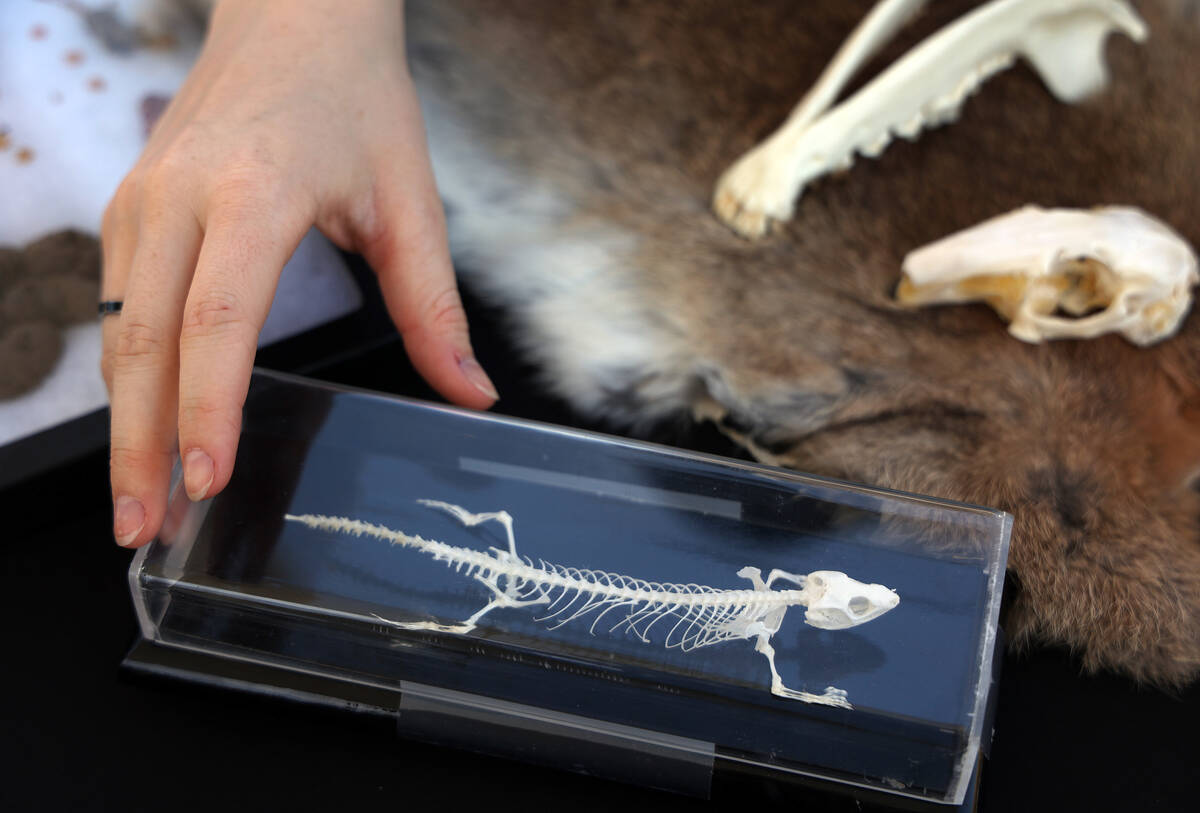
[197, 474]
[478, 377]
[128, 519]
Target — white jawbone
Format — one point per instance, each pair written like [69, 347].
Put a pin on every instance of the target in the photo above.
[1063, 40]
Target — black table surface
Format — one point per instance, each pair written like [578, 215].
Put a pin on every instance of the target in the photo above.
[81, 734]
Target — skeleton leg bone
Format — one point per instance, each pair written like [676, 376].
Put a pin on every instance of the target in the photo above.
[433, 626]
[1062, 39]
[470, 520]
[755, 577]
[795, 578]
[503, 597]
[831, 697]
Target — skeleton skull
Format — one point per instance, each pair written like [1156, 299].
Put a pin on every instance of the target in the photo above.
[837, 601]
[1062, 273]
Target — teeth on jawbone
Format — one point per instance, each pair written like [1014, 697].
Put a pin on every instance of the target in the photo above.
[1062, 39]
[1062, 273]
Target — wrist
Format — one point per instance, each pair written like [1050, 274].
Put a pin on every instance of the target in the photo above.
[368, 14]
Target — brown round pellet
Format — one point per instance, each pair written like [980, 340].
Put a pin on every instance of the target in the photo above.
[70, 252]
[12, 267]
[23, 303]
[58, 298]
[28, 352]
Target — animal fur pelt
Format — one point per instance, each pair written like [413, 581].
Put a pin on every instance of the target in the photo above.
[576, 145]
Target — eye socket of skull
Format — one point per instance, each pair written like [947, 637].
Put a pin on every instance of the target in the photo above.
[1086, 285]
[859, 605]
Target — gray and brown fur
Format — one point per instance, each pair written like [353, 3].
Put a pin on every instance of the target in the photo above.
[576, 145]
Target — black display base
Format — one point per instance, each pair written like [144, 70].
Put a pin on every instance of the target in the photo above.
[725, 779]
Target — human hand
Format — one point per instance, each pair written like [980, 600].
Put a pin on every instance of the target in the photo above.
[294, 114]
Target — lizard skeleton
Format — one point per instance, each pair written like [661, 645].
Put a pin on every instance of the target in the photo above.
[703, 615]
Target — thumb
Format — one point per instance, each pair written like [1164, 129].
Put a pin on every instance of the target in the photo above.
[412, 259]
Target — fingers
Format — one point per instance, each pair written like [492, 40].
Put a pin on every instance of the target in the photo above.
[418, 284]
[144, 364]
[118, 240]
[245, 247]
[177, 360]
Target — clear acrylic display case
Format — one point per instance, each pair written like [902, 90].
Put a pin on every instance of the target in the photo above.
[233, 579]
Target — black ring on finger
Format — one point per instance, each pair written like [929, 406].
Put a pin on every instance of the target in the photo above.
[110, 306]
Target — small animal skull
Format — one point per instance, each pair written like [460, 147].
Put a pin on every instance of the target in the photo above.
[837, 601]
[1062, 273]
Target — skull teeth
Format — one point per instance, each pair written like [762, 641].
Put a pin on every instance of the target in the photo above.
[1062, 39]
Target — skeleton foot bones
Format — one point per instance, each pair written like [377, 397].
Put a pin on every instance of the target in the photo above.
[1062, 39]
[702, 615]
